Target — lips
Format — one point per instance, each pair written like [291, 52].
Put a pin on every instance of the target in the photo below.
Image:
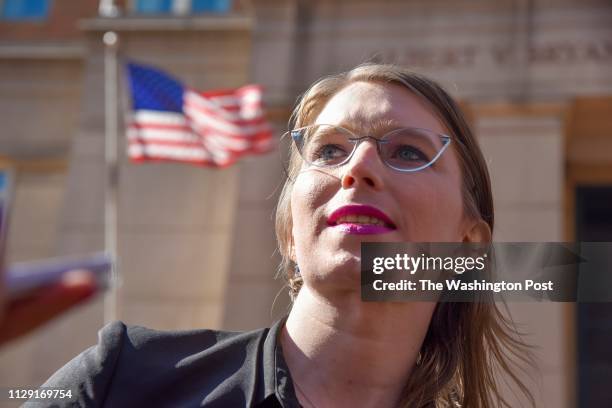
[360, 219]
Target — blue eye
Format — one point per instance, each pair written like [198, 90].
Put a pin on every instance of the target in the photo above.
[409, 153]
[329, 153]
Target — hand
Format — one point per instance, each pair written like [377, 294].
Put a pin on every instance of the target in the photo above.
[21, 315]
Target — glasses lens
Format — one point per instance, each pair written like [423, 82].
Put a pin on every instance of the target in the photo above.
[324, 145]
[410, 148]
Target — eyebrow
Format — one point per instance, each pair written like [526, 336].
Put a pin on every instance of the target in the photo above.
[365, 127]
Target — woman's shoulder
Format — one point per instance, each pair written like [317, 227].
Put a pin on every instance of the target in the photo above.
[142, 340]
[132, 361]
[136, 349]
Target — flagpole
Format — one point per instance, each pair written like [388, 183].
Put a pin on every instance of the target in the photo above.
[110, 39]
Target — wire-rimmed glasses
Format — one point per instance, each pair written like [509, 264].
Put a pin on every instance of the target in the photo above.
[406, 149]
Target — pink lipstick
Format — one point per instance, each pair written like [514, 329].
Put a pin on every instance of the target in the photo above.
[360, 219]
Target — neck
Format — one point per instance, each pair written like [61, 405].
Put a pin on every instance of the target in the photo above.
[345, 352]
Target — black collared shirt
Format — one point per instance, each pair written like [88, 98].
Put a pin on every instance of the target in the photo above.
[134, 366]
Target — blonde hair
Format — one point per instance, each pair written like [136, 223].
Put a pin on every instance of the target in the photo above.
[467, 344]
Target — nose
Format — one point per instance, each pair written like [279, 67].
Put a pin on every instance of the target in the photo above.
[364, 168]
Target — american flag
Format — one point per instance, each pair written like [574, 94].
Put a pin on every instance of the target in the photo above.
[171, 122]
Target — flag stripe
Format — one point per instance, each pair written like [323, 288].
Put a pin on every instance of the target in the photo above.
[157, 126]
[163, 142]
[222, 126]
[148, 151]
[147, 132]
[158, 117]
[263, 145]
[202, 163]
[242, 115]
[159, 134]
[177, 152]
[233, 93]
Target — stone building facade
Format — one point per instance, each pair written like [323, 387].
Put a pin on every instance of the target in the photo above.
[197, 247]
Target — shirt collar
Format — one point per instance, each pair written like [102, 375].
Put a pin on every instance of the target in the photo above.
[277, 379]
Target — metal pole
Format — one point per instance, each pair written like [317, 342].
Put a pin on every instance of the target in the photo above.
[112, 174]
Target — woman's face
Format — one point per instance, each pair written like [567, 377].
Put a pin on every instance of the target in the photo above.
[423, 206]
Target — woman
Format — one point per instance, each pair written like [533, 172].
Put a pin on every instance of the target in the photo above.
[351, 177]
[344, 352]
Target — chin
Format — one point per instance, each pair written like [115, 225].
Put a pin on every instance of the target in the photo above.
[341, 269]
[347, 258]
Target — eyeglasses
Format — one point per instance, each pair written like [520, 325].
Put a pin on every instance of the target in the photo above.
[405, 149]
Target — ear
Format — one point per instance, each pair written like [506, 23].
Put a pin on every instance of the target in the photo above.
[477, 231]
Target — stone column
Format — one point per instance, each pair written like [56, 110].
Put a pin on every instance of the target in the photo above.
[523, 146]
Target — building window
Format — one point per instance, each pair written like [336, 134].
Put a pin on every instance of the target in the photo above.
[153, 6]
[19, 10]
[181, 7]
[215, 6]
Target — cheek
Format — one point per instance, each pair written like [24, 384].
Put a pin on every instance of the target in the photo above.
[310, 192]
[434, 210]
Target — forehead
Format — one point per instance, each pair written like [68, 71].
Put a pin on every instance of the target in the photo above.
[369, 106]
